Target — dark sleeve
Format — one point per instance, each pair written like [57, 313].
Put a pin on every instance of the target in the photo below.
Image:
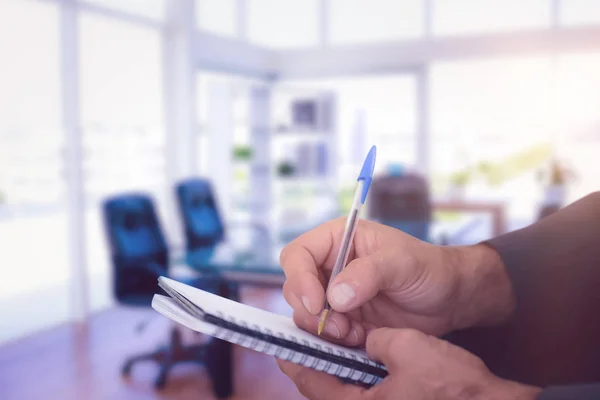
[561, 251]
[554, 335]
[574, 392]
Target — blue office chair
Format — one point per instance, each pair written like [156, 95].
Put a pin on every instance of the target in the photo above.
[203, 227]
[202, 224]
[139, 256]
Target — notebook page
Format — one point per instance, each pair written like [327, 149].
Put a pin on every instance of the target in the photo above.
[173, 310]
[267, 321]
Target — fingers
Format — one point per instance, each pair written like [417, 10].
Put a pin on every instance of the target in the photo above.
[395, 347]
[302, 261]
[304, 293]
[364, 277]
[318, 385]
[338, 328]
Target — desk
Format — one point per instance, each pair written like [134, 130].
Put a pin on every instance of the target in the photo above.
[258, 266]
[496, 209]
[231, 267]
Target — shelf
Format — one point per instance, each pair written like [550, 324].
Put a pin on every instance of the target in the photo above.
[302, 132]
[295, 180]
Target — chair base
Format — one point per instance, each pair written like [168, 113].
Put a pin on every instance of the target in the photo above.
[216, 355]
[167, 357]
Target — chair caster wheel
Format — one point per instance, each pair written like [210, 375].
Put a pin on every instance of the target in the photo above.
[126, 370]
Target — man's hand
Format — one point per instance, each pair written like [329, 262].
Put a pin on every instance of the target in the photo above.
[421, 367]
[392, 280]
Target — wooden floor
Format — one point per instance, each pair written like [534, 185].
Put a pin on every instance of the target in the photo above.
[83, 362]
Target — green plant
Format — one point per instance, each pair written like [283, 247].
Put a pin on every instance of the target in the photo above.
[242, 153]
[497, 173]
[460, 178]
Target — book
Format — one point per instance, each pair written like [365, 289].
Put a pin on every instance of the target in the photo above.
[263, 331]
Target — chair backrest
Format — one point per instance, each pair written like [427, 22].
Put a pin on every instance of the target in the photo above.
[203, 227]
[138, 248]
[401, 201]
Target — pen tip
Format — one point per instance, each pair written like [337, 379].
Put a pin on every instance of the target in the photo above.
[321, 325]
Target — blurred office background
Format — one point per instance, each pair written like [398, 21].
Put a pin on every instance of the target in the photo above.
[494, 103]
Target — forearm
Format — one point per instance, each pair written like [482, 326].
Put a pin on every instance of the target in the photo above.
[559, 255]
[553, 267]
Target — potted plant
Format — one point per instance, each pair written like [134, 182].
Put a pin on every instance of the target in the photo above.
[242, 153]
[555, 180]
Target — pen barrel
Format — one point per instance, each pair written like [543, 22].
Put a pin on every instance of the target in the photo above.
[349, 231]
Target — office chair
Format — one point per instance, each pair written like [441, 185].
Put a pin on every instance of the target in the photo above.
[202, 223]
[402, 201]
[139, 256]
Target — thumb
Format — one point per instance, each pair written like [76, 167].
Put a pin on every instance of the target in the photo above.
[393, 347]
[364, 277]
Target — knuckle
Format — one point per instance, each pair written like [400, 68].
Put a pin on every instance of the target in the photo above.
[409, 259]
[405, 338]
[287, 292]
[284, 253]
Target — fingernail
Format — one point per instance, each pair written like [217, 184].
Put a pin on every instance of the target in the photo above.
[342, 294]
[331, 329]
[306, 302]
[354, 336]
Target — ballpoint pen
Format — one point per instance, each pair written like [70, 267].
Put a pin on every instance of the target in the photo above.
[362, 188]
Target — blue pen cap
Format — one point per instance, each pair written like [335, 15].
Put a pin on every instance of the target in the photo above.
[366, 173]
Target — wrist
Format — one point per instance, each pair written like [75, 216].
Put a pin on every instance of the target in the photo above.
[486, 295]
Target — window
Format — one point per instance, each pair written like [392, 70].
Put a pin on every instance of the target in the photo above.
[493, 119]
[123, 133]
[578, 105]
[224, 106]
[580, 12]
[378, 110]
[217, 16]
[283, 23]
[33, 219]
[152, 9]
[459, 17]
[358, 21]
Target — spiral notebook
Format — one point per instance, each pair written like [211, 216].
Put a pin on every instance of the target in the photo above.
[263, 331]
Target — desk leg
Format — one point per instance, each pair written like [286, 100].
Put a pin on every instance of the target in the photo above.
[219, 353]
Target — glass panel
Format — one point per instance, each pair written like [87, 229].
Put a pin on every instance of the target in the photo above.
[283, 23]
[580, 12]
[122, 117]
[238, 104]
[33, 219]
[153, 9]
[356, 21]
[456, 17]
[492, 129]
[217, 16]
[379, 110]
[578, 107]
